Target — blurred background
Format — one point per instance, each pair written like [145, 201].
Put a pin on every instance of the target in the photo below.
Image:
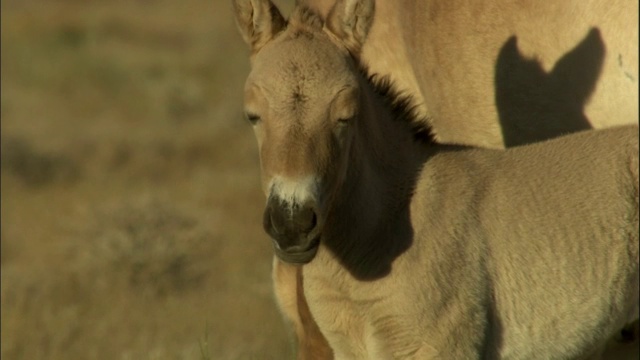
[131, 204]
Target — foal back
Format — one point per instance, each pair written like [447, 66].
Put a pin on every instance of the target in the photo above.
[569, 244]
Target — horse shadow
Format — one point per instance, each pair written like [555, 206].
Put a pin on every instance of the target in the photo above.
[534, 105]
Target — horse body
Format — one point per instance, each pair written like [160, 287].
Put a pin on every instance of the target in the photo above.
[427, 251]
[504, 73]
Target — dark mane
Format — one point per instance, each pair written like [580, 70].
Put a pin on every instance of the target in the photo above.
[402, 106]
[306, 18]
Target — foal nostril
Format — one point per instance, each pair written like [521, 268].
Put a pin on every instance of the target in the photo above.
[274, 221]
[306, 220]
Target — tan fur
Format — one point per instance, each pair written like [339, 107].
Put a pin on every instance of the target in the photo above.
[287, 158]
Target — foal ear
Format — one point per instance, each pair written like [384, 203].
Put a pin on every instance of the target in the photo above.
[350, 21]
[258, 21]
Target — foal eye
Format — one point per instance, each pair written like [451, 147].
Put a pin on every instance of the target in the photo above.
[253, 118]
[345, 121]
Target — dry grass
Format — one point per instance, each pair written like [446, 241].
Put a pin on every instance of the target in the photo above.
[130, 187]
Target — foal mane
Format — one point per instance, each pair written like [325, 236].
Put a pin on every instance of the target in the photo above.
[403, 107]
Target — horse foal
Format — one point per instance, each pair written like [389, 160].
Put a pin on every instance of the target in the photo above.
[411, 249]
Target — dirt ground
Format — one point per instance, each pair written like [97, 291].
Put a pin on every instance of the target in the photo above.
[131, 206]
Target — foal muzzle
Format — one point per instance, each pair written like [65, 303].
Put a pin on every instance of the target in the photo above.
[293, 229]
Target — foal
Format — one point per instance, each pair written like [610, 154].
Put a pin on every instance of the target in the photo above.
[417, 250]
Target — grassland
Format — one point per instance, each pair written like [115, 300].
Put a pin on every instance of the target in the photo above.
[130, 186]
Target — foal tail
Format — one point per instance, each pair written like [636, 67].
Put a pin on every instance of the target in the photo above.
[630, 332]
[635, 179]
[633, 167]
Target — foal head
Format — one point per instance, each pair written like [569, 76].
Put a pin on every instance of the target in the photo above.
[302, 98]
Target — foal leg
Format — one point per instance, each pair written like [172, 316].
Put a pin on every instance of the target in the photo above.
[629, 333]
[287, 281]
[625, 346]
[622, 346]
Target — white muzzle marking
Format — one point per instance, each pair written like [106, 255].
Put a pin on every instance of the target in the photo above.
[294, 192]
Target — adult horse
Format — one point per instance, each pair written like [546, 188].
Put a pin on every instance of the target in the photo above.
[502, 72]
[312, 112]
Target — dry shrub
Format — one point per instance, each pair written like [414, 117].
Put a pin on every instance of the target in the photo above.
[154, 246]
[36, 168]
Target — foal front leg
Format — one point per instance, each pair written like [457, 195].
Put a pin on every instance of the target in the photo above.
[287, 281]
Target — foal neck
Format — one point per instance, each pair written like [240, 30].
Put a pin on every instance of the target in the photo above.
[370, 222]
[390, 143]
